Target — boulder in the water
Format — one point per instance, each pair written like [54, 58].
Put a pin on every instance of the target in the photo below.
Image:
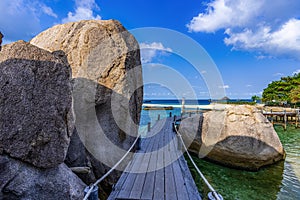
[239, 136]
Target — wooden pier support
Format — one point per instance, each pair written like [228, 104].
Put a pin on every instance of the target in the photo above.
[285, 119]
[297, 117]
[158, 117]
[149, 126]
[272, 121]
[182, 105]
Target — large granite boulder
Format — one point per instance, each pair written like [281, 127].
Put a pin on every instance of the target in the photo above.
[1, 36]
[106, 66]
[19, 180]
[78, 155]
[36, 117]
[107, 72]
[239, 136]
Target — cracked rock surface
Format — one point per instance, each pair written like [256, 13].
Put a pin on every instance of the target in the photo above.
[36, 117]
[107, 92]
[239, 136]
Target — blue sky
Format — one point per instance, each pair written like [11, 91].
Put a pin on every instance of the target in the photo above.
[252, 42]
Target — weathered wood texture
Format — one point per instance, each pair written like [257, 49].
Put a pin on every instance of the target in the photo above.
[158, 170]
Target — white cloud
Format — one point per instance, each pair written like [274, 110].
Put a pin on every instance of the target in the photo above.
[84, 11]
[283, 42]
[20, 19]
[249, 85]
[296, 72]
[224, 86]
[224, 14]
[48, 11]
[278, 74]
[151, 50]
[266, 26]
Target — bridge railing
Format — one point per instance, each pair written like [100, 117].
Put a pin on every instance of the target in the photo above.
[92, 187]
[213, 194]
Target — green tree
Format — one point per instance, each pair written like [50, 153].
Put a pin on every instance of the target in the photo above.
[295, 95]
[255, 98]
[284, 89]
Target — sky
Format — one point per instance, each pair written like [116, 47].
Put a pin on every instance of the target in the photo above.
[251, 42]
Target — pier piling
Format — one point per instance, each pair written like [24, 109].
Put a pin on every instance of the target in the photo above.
[149, 126]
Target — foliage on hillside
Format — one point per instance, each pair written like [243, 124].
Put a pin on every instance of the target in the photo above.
[286, 89]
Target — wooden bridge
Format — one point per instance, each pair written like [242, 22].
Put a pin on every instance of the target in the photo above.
[158, 170]
[283, 117]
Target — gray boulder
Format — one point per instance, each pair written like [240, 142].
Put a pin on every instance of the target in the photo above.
[1, 36]
[21, 181]
[239, 136]
[36, 117]
[108, 93]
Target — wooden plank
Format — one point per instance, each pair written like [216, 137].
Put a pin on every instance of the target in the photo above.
[118, 186]
[171, 182]
[170, 191]
[180, 185]
[127, 186]
[129, 182]
[148, 188]
[181, 166]
[137, 188]
[159, 183]
[189, 181]
[120, 182]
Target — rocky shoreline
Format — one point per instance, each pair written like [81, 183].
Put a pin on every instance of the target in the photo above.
[50, 88]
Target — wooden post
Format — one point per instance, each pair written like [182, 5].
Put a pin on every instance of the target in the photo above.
[298, 115]
[272, 118]
[285, 119]
[190, 114]
[138, 144]
[158, 117]
[174, 119]
[296, 119]
[197, 110]
[149, 126]
[173, 127]
[170, 114]
[182, 105]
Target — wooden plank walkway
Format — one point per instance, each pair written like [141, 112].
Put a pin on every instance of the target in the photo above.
[155, 171]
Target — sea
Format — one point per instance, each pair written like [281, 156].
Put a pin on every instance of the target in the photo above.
[280, 181]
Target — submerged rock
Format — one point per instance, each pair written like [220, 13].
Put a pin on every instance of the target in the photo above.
[19, 180]
[36, 119]
[239, 136]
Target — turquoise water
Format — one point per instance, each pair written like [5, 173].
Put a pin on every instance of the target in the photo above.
[280, 181]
